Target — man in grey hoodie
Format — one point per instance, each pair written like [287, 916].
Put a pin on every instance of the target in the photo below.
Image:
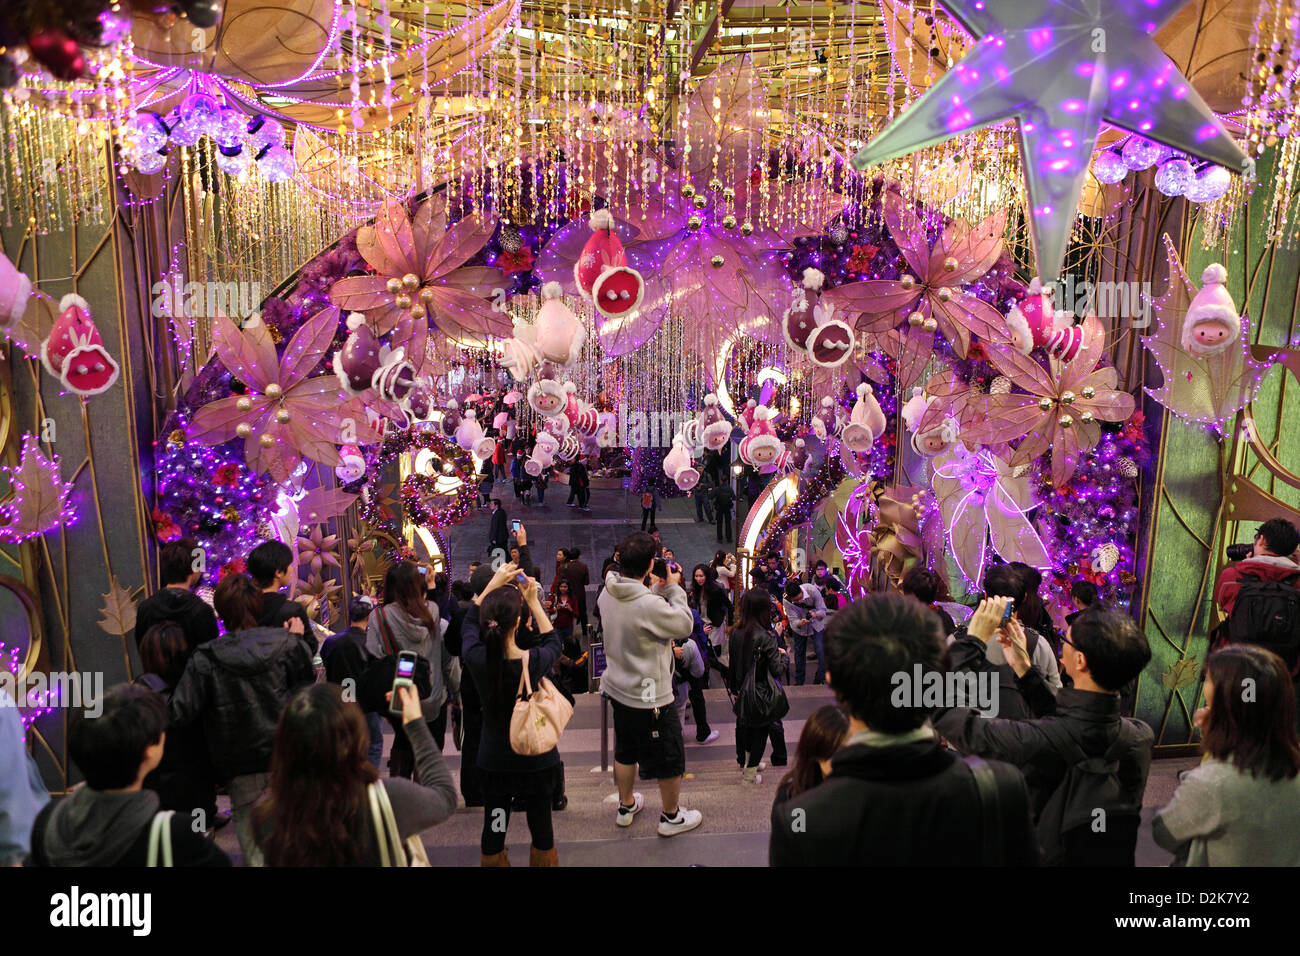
[640, 624]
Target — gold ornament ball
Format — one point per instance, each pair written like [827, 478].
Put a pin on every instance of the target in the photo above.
[402, 301]
[1089, 391]
[265, 440]
[717, 262]
[907, 283]
[715, 184]
[746, 228]
[728, 193]
[394, 286]
[410, 282]
[950, 264]
[244, 404]
[930, 325]
[916, 318]
[1065, 421]
[687, 190]
[1067, 398]
[426, 296]
[282, 416]
[417, 311]
[1044, 403]
[944, 294]
[694, 223]
[274, 390]
[243, 429]
[700, 201]
[728, 221]
[1086, 418]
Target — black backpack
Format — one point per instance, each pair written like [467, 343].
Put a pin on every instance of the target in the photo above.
[1070, 830]
[1267, 613]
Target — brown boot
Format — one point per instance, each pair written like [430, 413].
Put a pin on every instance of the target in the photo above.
[496, 859]
[538, 857]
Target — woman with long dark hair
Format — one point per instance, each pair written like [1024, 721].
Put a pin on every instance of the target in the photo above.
[317, 809]
[711, 601]
[406, 621]
[823, 734]
[753, 644]
[496, 665]
[1241, 806]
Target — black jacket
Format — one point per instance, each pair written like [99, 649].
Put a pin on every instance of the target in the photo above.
[345, 655]
[1019, 698]
[277, 609]
[911, 804]
[1091, 720]
[764, 650]
[179, 606]
[498, 536]
[237, 686]
[101, 829]
[184, 780]
[723, 496]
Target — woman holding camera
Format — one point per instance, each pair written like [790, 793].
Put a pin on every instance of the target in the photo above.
[496, 664]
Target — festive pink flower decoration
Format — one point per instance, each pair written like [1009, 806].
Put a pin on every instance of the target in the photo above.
[301, 417]
[977, 491]
[931, 290]
[424, 246]
[1062, 410]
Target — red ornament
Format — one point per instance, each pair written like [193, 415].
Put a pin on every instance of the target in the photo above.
[861, 256]
[521, 261]
[58, 53]
[227, 475]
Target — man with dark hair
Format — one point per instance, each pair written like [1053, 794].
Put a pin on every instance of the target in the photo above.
[1083, 762]
[498, 532]
[926, 586]
[270, 565]
[346, 658]
[1004, 581]
[471, 703]
[895, 796]
[576, 573]
[237, 686]
[805, 609]
[1083, 594]
[581, 481]
[1271, 559]
[107, 822]
[640, 627]
[724, 502]
[179, 564]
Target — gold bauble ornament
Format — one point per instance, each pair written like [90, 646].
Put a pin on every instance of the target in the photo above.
[1065, 421]
[715, 184]
[410, 282]
[394, 286]
[700, 201]
[746, 228]
[687, 190]
[1089, 391]
[244, 404]
[728, 221]
[1044, 403]
[417, 311]
[1067, 398]
[230, 514]
[274, 390]
[243, 429]
[694, 223]
[930, 325]
[944, 294]
[402, 301]
[266, 440]
[282, 416]
[916, 318]
[728, 193]
[907, 283]
[1086, 418]
[950, 264]
[426, 296]
[717, 262]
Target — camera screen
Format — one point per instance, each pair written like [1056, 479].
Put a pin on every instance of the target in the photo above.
[405, 666]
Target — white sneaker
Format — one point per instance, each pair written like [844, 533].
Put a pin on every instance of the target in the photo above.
[757, 778]
[626, 814]
[686, 820]
[713, 735]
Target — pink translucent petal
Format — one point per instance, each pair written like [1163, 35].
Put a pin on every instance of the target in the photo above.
[1002, 418]
[361, 293]
[308, 346]
[729, 127]
[468, 318]
[428, 225]
[215, 423]
[907, 231]
[249, 354]
[962, 315]
[457, 246]
[1023, 370]
[872, 298]
[976, 248]
[1013, 534]
[917, 350]
[968, 538]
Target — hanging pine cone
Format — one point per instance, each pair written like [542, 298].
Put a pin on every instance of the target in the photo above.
[1127, 467]
[1000, 386]
[839, 235]
[510, 239]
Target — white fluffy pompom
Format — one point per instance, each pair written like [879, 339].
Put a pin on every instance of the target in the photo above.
[71, 299]
[601, 219]
[552, 290]
[355, 321]
[1214, 272]
[813, 278]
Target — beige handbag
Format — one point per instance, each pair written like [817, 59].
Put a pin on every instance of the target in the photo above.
[392, 852]
[539, 717]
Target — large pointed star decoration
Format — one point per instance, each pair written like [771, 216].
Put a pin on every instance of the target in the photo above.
[1061, 68]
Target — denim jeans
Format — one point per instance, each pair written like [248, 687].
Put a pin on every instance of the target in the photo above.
[244, 791]
[376, 751]
[801, 656]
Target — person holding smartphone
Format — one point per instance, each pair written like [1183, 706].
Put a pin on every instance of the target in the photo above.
[495, 663]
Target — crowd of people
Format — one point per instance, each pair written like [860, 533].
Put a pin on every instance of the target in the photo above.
[240, 697]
